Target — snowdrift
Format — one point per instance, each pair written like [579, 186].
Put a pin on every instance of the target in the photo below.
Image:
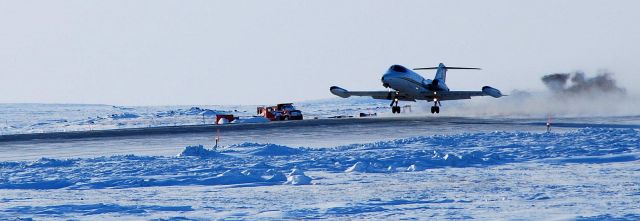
[452, 176]
[199, 151]
[266, 164]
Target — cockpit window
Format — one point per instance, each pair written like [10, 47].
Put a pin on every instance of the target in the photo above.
[398, 68]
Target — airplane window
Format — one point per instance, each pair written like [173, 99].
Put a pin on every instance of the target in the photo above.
[398, 68]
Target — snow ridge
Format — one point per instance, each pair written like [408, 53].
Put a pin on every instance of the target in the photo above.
[435, 174]
[591, 145]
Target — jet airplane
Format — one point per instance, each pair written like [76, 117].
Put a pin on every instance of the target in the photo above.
[406, 85]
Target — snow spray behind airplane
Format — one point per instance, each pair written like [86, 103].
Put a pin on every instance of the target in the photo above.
[568, 95]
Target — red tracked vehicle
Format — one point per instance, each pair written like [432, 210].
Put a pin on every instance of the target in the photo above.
[285, 111]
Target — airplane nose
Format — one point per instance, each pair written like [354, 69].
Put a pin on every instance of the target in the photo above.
[384, 84]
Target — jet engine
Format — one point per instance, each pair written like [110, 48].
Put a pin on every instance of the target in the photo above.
[340, 92]
[491, 91]
[434, 85]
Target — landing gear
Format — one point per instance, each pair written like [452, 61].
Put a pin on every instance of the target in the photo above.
[435, 109]
[394, 106]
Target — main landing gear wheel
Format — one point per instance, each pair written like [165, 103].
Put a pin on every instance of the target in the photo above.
[435, 109]
[394, 106]
[395, 110]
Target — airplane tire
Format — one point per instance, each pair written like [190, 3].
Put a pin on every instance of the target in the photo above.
[395, 109]
[437, 110]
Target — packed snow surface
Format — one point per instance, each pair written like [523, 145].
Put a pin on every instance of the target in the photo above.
[44, 118]
[585, 174]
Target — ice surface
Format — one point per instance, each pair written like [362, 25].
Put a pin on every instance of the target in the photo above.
[589, 174]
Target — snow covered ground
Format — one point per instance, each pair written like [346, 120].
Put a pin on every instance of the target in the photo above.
[43, 118]
[430, 168]
[585, 174]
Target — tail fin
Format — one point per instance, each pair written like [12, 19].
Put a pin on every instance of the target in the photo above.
[441, 73]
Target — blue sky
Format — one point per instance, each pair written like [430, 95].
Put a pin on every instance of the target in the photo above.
[261, 52]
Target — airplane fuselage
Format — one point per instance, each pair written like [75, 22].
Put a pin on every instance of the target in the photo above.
[407, 81]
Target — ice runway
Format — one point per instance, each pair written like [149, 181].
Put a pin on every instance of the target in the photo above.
[169, 140]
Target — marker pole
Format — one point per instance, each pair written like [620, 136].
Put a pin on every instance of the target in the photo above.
[217, 139]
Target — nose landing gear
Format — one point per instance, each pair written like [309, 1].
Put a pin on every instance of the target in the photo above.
[435, 109]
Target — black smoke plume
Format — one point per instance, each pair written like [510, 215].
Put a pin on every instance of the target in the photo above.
[577, 84]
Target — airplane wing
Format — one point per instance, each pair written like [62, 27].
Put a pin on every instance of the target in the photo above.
[461, 95]
[452, 95]
[429, 96]
[383, 95]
